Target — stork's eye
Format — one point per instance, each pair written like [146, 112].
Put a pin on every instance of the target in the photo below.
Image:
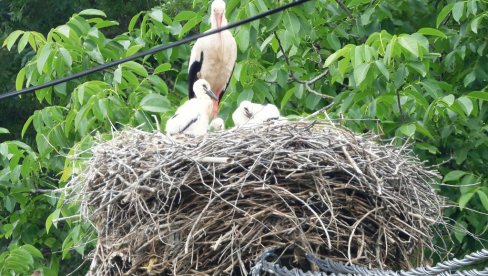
[205, 87]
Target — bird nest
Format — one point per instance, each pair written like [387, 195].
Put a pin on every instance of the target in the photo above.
[210, 206]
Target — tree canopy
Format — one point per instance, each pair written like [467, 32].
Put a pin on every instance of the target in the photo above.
[410, 70]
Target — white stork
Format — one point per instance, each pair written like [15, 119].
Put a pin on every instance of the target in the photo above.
[213, 57]
[193, 116]
[217, 124]
[252, 113]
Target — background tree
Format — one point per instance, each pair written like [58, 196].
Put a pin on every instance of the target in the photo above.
[410, 70]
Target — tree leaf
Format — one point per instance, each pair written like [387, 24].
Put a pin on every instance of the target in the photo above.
[333, 41]
[33, 251]
[287, 97]
[432, 32]
[466, 104]
[473, 7]
[19, 81]
[66, 56]
[156, 14]
[449, 99]
[53, 216]
[133, 21]
[133, 49]
[408, 130]
[23, 42]
[291, 22]
[475, 23]
[184, 15]
[189, 25]
[483, 198]
[162, 68]
[470, 78]
[26, 125]
[480, 95]
[458, 11]
[428, 147]
[19, 260]
[93, 12]
[118, 75]
[420, 128]
[454, 176]
[443, 14]
[419, 67]
[43, 56]
[382, 68]
[10, 40]
[243, 38]
[464, 199]
[155, 103]
[361, 72]
[410, 44]
[345, 51]
[106, 23]
[4, 131]
[136, 68]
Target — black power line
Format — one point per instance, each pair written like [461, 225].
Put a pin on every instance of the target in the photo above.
[150, 51]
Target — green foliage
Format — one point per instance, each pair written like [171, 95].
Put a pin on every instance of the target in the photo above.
[393, 68]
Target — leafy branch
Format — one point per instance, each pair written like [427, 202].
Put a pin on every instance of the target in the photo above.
[307, 83]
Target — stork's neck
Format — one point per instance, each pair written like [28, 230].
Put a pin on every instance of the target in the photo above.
[214, 22]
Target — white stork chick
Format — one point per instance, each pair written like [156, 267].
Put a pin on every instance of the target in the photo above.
[213, 57]
[193, 116]
[217, 124]
[252, 113]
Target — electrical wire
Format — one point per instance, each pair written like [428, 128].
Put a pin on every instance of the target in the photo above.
[150, 51]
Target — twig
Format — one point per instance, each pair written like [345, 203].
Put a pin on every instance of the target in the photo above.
[220, 160]
[400, 106]
[351, 161]
[324, 110]
[349, 14]
[47, 191]
[66, 218]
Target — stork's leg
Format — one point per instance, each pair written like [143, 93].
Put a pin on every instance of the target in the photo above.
[215, 109]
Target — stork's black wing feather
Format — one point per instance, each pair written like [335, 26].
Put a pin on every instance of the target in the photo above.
[195, 68]
[248, 113]
[189, 124]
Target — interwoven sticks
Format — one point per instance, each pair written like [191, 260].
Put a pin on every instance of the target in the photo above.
[210, 206]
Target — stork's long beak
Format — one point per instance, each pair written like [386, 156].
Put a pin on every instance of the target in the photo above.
[211, 94]
[218, 17]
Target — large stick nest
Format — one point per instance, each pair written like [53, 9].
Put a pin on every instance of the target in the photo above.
[211, 205]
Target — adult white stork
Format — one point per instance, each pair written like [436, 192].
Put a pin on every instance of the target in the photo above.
[193, 116]
[252, 113]
[213, 57]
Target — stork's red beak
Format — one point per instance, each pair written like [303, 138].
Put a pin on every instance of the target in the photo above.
[218, 17]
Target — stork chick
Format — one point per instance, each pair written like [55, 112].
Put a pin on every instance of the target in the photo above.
[217, 124]
[193, 116]
[252, 113]
[213, 57]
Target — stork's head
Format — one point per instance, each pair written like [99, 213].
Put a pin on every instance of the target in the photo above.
[202, 90]
[217, 124]
[217, 17]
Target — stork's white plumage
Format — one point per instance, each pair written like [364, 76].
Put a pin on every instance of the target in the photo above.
[193, 116]
[252, 113]
[213, 57]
